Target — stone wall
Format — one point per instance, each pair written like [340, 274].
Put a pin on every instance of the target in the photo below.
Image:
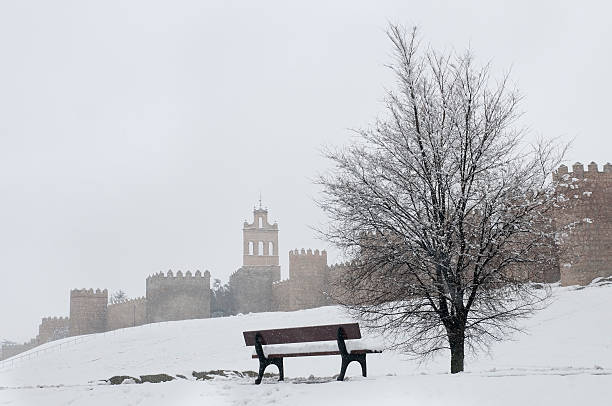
[586, 251]
[308, 283]
[251, 288]
[8, 351]
[129, 313]
[88, 311]
[179, 297]
[53, 328]
[585, 254]
[281, 298]
[308, 274]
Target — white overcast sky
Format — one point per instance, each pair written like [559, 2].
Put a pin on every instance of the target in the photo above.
[136, 136]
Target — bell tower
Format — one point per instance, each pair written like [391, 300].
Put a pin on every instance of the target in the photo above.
[251, 284]
[260, 240]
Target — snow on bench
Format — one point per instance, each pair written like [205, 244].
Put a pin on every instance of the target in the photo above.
[317, 348]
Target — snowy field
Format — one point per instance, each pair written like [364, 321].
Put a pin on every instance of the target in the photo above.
[564, 359]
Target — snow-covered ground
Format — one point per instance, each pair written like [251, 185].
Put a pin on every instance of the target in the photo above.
[564, 359]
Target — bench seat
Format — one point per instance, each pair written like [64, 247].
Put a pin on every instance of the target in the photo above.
[272, 346]
[318, 349]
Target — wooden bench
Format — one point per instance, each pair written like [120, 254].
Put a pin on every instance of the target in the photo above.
[311, 334]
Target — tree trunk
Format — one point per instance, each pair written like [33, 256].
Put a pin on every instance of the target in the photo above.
[456, 340]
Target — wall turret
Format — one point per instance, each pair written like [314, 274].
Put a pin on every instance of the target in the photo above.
[53, 328]
[586, 252]
[307, 264]
[308, 279]
[88, 311]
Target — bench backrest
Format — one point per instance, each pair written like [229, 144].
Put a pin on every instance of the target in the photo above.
[303, 334]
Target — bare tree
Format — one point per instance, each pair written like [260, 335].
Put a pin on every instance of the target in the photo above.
[221, 299]
[441, 207]
[117, 297]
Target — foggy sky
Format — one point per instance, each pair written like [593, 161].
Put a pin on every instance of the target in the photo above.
[136, 136]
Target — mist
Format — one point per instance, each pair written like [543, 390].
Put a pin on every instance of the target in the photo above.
[137, 137]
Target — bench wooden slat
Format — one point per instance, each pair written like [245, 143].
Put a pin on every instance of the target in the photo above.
[315, 354]
[303, 334]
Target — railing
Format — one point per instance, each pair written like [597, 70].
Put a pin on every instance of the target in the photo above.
[29, 354]
[66, 342]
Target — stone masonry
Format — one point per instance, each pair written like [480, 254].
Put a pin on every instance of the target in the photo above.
[251, 284]
[179, 297]
[256, 286]
[87, 311]
[129, 313]
[586, 251]
[307, 284]
[53, 328]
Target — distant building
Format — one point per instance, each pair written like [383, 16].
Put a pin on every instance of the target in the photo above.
[256, 285]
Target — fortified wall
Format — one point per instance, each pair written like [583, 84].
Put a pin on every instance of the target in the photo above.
[307, 284]
[251, 288]
[586, 252]
[88, 311]
[179, 297]
[128, 313]
[11, 350]
[53, 328]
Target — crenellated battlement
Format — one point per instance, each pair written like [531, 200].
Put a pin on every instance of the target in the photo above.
[160, 280]
[88, 293]
[307, 253]
[587, 203]
[126, 313]
[179, 275]
[578, 171]
[53, 328]
[308, 264]
[340, 265]
[134, 301]
[54, 320]
[88, 311]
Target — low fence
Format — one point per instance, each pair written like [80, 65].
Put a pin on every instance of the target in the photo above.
[65, 342]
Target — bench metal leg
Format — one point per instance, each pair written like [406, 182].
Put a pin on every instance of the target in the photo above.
[281, 369]
[265, 361]
[345, 363]
[347, 359]
[364, 369]
[263, 364]
[262, 368]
